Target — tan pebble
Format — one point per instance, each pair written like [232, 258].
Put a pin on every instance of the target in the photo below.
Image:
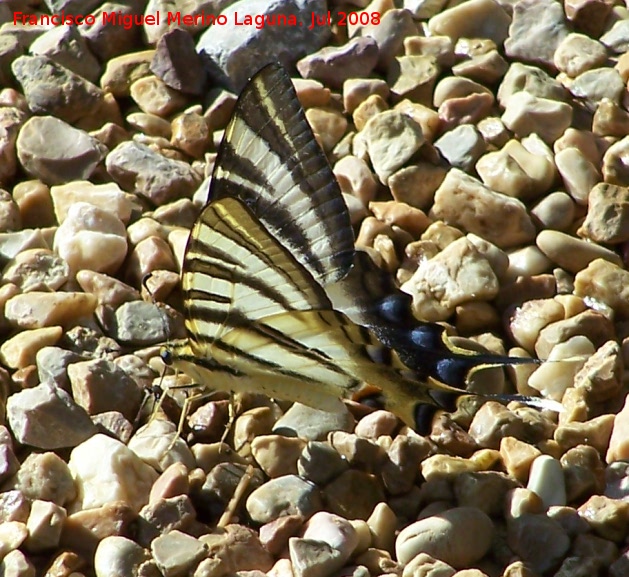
[456, 275]
[191, 134]
[35, 204]
[589, 16]
[597, 328]
[149, 255]
[470, 20]
[459, 537]
[517, 457]
[367, 109]
[377, 424]
[16, 563]
[610, 119]
[220, 107]
[149, 124]
[584, 471]
[605, 282]
[383, 523]
[400, 214]
[145, 228]
[527, 114]
[521, 501]
[416, 184]
[355, 178]
[315, 558]
[153, 96]
[555, 211]
[596, 551]
[108, 290]
[494, 131]
[337, 532]
[487, 68]
[485, 491]
[357, 90]
[452, 87]
[391, 138]
[311, 92]
[578, 173]
[527, 261]
[91, 238]
[592, 146]
[519, 374]
[364, 536]
[619, 440]
[424, 564]
[439, 466]
[425, 116]
[328, 126]
[20, 350]
[12, 535]
[531, 317]
[592, 86]
[36, 270]
[492, 422]
[45, 524]
[470, 109]
[574, 254]
[474, 317]
[516, 171]
[463, 201]
[413, 77]
[497, 258]
[577, 53]
[177, 553]
[36, 310]
[595, 433]
[440, 47]
[615, 168]
[607, 219]
[277, 455]
[601, 376]
[607, 517]
[556, 375]
[178, 239]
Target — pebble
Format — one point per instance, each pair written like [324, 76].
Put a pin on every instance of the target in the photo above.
[36, 310]
[610, 119]
[531, 317]
[129, 479]
[43, 150]
[516, 171]
[607, 219]
[44, 477]
[109, 197]
[235, 548]
[576, 255]
[546, 479]
[36, 269]
[123, 70]
[538, 540]
[287, 495]
[319, 462]
[99, 386]
[605, 282]
[91, 238]
[485, 490]
[413, 77]
[528, 114]
[600, 378]
[311, 558]
[44, 525]
[462, 146]
[520, 501]
[463, 201]
[592, 86]
[335, 65]
[333, 530]
[608, 518]
[355, 178]
[12, 535]
[536, 30]
[353, 494]
[16, 563]
[578, 53]
[584, 472]
[140, 323]
[191, 134]
[312, 424]
[555, 211]
[382, 525]
[277, 455]
[328, 126]
[177, 553]
[391, 138]
[615, 170]
[492, 422]
[118, 555]
[136, 167]
[460, 537]
[472, 19]
[177, 63]
[578, 173]
[158, 444]
[619, 440]
[47, 418]
[458, 274]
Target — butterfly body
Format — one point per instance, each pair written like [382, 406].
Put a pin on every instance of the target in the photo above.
[277, 299]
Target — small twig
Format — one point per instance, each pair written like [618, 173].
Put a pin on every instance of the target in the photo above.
[229, 512]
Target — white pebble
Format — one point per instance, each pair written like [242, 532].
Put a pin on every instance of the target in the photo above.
[546, 479]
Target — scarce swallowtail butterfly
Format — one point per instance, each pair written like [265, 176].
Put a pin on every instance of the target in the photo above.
[277, 299]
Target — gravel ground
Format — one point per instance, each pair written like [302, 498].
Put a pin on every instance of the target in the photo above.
[482, 149]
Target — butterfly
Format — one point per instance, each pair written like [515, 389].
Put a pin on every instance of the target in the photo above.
[277, 299]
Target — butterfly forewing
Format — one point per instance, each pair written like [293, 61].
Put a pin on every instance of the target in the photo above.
[270, 161]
